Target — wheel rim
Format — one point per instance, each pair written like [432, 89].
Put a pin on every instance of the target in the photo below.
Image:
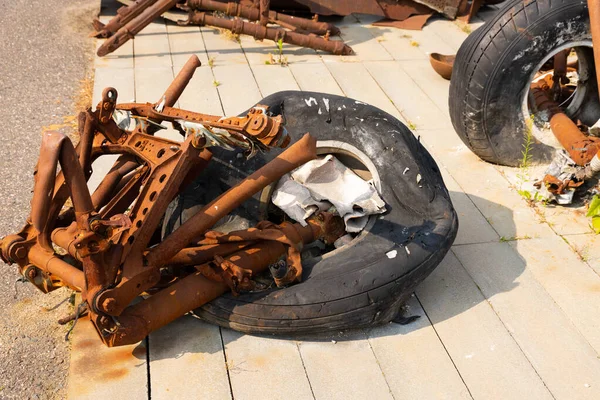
[538, 126]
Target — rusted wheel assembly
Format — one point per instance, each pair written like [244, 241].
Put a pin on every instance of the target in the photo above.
[365, 281]
[527, 46]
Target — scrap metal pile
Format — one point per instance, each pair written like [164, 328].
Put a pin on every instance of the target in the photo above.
[579, 160]
[104, 245]
[258, 19]
[293, 30]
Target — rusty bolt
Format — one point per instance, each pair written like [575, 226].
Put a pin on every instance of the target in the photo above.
[109, 305]
[31, 274]
[93, 246]
[21, 253]
[95, 226]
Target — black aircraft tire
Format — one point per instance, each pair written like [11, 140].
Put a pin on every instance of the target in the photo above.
[362, 283]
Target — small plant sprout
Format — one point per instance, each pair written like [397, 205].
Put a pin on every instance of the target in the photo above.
[278, 58]
[412, 125]
[211, 62]
[463, 27]
[414, 43]
[504, 239]
[523, 175]
[216, 83]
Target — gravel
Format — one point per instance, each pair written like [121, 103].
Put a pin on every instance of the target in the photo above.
[44, 54]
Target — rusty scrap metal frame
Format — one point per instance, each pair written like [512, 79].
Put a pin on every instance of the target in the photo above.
[105, 236]
[130, 20]
[583, 149]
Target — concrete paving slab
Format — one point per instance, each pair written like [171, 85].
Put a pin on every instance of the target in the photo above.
[201, 95]
[274, 78]
[151, 46]
[505, 210]
[222, 48]
[476, 339]
[357, 83]
[151, 83]
[573, 285]
[344, 368]
[406, 355]
[561, 356]
[120, 58]
[433, 85]
[258, 53]
[453, 33]
[265, 368]
[416, 107]
[185, 41]
[121, 79]
[397, 42]
[191, 347]
[315, 78]
[473, 227]
[587, 247]
[237, 88]
[425, 41]
[365, 46]
[100, 372]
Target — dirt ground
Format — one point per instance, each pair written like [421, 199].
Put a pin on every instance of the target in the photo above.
[46, 60]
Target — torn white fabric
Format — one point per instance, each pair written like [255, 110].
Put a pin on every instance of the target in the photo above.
[319, 182]
[295, 200]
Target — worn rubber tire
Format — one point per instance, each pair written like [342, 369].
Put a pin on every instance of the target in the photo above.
[358, 284]
[492, 72]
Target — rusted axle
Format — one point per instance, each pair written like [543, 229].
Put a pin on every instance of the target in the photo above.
[135, 25]
[234, 9]
[293, 30]
[124, 15]
[260, 32]
[199, 288]
[581, 148]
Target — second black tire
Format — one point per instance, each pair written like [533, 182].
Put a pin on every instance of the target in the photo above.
[494, 67]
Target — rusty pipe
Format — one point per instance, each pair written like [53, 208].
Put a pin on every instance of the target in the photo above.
[263, 14]
[48, 262]
[180, 82]
[66, 238]
[56, 148]
[191, 292]
[260, 32]
[594, 12]
[299, 153]
[195, 290]
[202, 254]
[581, 148]
[124, 15]
[86, 133]
[124, 165]
[134, 26]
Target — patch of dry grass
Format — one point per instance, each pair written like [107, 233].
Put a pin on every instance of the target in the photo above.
[83, 98]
